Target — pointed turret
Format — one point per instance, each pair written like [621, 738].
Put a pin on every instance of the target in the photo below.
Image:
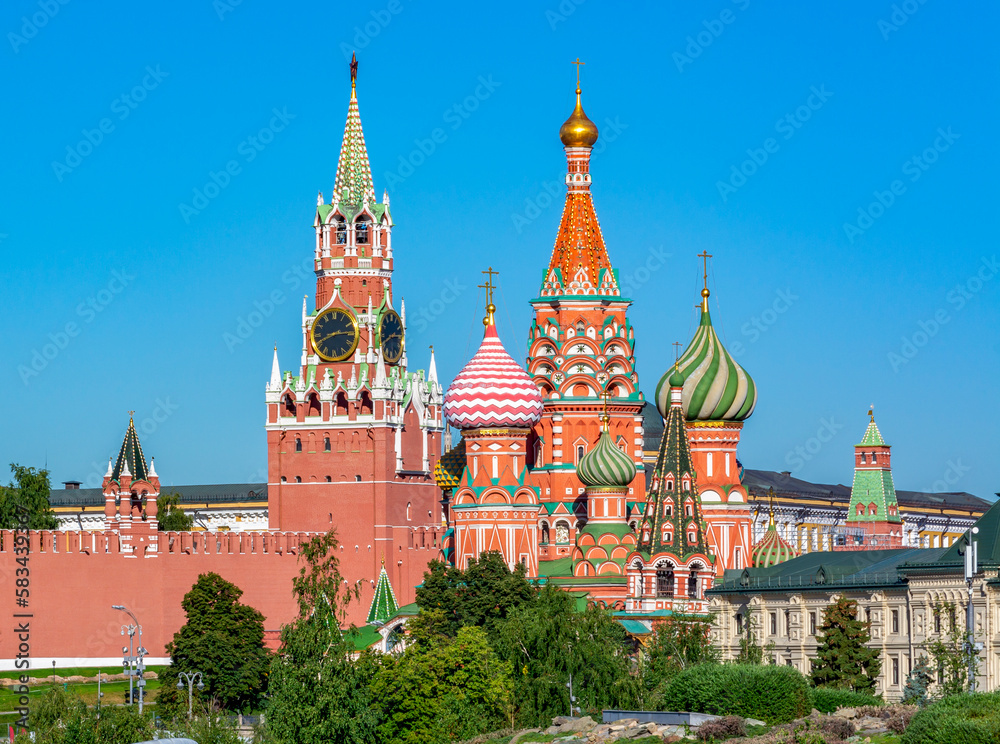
[432, 369]
[873, 494]
[353, 184]
[131, 462]
[383, 604]
[275, 383]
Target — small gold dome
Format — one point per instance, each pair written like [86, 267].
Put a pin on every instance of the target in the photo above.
[578, 130]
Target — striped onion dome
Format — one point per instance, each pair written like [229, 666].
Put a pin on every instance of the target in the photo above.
[771, 549]
[716, 387]
[606, 466]
[492, 390]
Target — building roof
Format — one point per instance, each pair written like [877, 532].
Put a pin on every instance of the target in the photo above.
[353, 183]
[988, 537]
[605, 466]
[130, 456]
[69, 498]
[384, 602]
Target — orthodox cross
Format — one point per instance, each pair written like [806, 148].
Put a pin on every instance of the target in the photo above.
[489, 286]
[704, 256]
[605, 418]
[578, 63]
[677, 352]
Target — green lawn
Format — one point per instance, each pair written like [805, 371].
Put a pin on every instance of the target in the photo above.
[71, 671]
[114, 694]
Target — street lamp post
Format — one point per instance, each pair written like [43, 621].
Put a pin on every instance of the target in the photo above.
[971, 569]
[190, 678]
[133, 663]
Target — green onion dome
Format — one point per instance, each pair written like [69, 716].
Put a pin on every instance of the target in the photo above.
[606, 466]
[716, 387]
[771, 550]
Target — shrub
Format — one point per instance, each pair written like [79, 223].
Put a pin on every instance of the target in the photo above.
[828, 699]
[969, 718]
[727, 727]
[839, 727]
[900, 716]
[771, 693]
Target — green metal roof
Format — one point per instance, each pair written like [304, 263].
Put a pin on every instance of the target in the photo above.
[383, 604]
[131, 453]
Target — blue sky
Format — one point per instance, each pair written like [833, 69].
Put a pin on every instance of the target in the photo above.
[839, 161]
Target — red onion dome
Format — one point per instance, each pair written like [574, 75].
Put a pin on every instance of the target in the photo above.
[492, 390]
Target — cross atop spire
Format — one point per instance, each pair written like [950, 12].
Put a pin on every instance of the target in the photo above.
[489, 286]
[578, 63]
[353, 184]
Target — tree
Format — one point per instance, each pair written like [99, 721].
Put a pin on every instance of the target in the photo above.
[445, 692]
[844, 660]
[548, 640]
[170, 516]
[751, 652]
[317, 693]
[224, 640]
[917, 682]
[484, 594]
[24, 504]
[951, 652]
[676, 643]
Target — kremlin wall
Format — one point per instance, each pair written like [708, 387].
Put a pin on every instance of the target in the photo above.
[554, 468]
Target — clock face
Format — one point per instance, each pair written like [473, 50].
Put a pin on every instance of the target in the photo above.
[335, 335]
[390, 331]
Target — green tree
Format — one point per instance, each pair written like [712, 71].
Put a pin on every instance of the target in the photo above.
[210, 729]
[224, 640]
[112, 725]
[170, 516]
[676, 643]
[751, 651]
[844, 659]
[917, 682]
[484, 594]
[317, 693]
[27, 498]
[548, 640]
[452, 690]
[950, 651]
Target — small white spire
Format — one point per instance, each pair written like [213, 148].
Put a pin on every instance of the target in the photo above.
[319, 198]
[385, 198]
[125, 470]
[432, 370]
[275, 371]
[111, 468]
[305, 314]
[152, 467]
[381, 380]
[402, 311]
[369, 304]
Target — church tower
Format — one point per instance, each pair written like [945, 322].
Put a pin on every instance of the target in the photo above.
[354, 434]
[131, 488]
[580, 346]
[719, 395]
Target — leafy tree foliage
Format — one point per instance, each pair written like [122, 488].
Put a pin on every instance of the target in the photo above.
[27, 495]
[170, 516]
[210, 729]
[548, 640]
[224, 640]
[951, 652]
[434, 694]
[484, 594]
[751, 650]
[676, 643]
[917, 682]
[317, 694]
[844, 660]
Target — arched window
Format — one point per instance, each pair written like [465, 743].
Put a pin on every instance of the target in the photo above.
[298, 478]
[861, 509]
[366, 404]
[562, 532]
[665, 582]
[329, 479]
[668, 536]
[687, 485]
[872, 509]
[284, 479]
[545, 533]
[341, 409]
[539, 459]
[668, 509]
[692, 538]
[496, 466]
[315, 409]
[694, 586]
[863, 458]
[407, 511]
[298, 444]
[874, 458]
[289, 406]
[688, 510]
[362, 228]
[341, 232]
[580, 328]
[326, 444]
[580, 452]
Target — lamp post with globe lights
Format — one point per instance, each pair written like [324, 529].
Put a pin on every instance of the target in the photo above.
[190, 678]
[133, 662]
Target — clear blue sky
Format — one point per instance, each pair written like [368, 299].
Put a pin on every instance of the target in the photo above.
[95, 237]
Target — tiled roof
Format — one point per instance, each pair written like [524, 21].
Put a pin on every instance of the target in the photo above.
[208, 494]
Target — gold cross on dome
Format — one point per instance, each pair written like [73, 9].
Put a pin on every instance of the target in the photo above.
[677, 351]
[605, 418]
[578, 63]
[488, 285]
[704, 256]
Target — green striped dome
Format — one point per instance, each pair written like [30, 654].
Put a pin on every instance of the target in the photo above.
[716, 388]
[606, 466]
[771, 550]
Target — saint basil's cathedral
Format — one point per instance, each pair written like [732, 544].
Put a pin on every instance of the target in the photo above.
[550, 471]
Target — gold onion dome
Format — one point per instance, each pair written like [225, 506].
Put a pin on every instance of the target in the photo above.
[578, 130]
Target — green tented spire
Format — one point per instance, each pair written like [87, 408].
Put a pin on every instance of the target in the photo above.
[873, 494]
[872, 435]
[353, 184]
[131, 455]
[384, 602]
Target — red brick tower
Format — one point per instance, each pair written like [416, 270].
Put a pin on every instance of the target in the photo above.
[130, 492]
[580, 345]
[354, 435]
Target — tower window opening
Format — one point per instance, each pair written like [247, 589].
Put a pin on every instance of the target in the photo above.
[693, 583]
[687, 510]
[872, 509]
[668, 510]
[665, 583]
[581, 328]
[545, 533]
[362, 233]
[329, 479]
[579, 453]
[874, 458]
[326, 444]
[861, 509]
[670, 485]
[298, 478]
[341, 233]
[863, 459]
[298, 444]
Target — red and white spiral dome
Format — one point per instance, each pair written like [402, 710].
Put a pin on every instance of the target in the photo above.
[492, 390]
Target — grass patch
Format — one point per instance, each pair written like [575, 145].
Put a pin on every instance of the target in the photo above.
[73, 671]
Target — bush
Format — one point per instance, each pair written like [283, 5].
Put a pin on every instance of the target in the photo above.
[839, 727]
[775, 694]
[727, 727]
[828, 699]
[969, 718]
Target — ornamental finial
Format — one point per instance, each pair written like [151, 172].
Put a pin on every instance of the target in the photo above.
[605, 418]
[770, 507]
[354, 71]
[578, 63]
[871, 412]
[704, 256]
[489, 286]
